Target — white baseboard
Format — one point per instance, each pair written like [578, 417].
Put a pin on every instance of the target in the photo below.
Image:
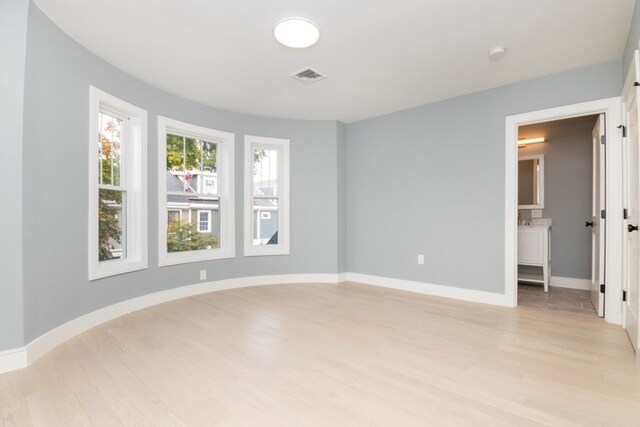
[22, 357]
[430, 289]
[570, 282]
[13, 359]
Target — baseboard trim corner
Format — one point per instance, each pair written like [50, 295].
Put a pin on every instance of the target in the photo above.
[19, 358]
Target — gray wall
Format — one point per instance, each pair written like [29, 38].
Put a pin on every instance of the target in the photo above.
[56, 289]
[341, 141]
[430, 180]
[632, 40]
[13, 40]
[426, 180]
[567, 197]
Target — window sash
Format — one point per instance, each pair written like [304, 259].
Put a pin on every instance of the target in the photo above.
[132, 184]
[255, 245]
[222, 197]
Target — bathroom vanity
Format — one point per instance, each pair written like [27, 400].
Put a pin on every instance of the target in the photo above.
[534, 249]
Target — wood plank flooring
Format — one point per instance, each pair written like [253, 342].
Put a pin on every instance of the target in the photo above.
[331, 355]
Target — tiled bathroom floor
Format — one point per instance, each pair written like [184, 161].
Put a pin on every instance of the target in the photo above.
[557, 299]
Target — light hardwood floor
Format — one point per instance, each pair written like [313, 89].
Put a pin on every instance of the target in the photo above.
[331, 355]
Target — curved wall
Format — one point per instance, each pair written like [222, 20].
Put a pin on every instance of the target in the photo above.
[55, 188]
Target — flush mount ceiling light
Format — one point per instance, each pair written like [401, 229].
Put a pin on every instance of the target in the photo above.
[296, 32]
[530, 140]
[497, 52]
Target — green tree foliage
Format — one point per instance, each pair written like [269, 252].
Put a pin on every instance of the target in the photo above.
[190, 154]
[108, 226]
[182, 236]
[109, 230]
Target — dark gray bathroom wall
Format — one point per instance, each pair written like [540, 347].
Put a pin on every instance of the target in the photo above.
[567, 195]
[55, 189]
[430, 180]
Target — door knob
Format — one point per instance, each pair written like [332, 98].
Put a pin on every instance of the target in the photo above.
[588, 224]
[631, 228]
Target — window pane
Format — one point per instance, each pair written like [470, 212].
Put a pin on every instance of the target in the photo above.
[111, 224]
[184, 229]
[265, 221]
[203, 221]
[193, 162]
[265, 172]
[109, 149]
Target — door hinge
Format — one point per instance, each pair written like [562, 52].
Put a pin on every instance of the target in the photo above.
[603, 214]
[625, 213]
[624, 296]
[602, 288]
[624, 130]
[603, 139]
[636, 84]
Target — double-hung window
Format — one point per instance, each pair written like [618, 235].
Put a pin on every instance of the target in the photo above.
[266, 207]
[117, 186]
[196, 193]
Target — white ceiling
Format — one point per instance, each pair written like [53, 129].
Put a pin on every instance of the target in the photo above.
[378, 56]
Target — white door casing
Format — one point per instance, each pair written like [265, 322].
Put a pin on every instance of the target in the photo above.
[614, 235]
[631, 201]
[598, 203]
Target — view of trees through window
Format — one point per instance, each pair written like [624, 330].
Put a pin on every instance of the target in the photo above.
[111, 194]
[192, 187]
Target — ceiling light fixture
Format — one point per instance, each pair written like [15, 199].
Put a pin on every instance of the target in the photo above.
[296, 32]
[530, 140]
[497, 52]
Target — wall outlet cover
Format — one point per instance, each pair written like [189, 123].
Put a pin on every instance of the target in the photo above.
[421, 259]
[203, 274]
[536, 213]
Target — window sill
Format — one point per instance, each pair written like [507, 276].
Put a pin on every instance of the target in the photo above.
[175, 258]
[113, 268]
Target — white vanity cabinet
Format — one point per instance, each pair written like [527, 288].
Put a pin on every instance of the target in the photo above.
[534, 249]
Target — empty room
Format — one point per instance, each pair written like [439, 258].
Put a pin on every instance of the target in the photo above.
[319, 213]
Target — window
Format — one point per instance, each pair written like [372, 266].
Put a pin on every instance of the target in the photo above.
[173, 215]
[204, 224]
[117, 186]
[266, 216]
[196, 179]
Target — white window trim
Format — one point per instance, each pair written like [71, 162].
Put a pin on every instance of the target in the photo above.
[135, 174]
[208, 212]
[282, 248]
[226, 191]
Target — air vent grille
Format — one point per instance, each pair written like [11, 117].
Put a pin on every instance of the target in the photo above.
[308, 75]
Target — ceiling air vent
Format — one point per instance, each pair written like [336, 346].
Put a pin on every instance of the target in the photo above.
[308, 75]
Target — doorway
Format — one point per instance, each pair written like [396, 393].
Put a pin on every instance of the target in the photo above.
[559, 179]
[612, 269]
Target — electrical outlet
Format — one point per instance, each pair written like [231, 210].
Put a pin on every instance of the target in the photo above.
[203, 274]
[536, 213]
[420, 259]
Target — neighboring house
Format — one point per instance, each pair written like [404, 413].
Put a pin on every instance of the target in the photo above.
[199, 206]
[265, 215]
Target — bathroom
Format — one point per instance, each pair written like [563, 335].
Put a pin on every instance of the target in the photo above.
[558, 230]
